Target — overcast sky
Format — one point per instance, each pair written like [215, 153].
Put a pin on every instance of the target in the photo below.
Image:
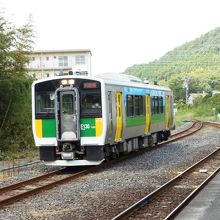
[119, 33]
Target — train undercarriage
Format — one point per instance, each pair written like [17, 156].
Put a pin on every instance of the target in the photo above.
[71, 153]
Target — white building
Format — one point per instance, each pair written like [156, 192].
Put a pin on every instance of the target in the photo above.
[45, 63]
[215, 92]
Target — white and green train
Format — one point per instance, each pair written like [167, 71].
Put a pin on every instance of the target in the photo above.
[85, 120]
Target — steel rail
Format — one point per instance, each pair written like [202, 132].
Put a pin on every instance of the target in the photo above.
[38, 189]
[214, 124]
[147, 199]
[183, 204]
[19, 166]
[183, 131]
[29, 181]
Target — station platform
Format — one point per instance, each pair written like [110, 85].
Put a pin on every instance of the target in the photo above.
[205, 205]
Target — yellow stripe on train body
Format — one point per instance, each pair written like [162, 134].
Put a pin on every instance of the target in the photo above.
[119, 120]
[148, 116]
[38, 128]
[99, 126]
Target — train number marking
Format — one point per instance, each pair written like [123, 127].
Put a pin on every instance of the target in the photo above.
[85, 127]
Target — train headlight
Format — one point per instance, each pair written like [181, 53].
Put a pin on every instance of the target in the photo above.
[64, 82]
[71, 81]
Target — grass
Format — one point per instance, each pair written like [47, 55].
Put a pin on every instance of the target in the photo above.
[28, 154]
[183, 115]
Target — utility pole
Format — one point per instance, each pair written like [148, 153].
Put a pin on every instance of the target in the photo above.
[186, 86]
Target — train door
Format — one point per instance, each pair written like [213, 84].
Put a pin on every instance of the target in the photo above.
[67, 114]
[148, 113]
[167, 112]
[119, 119]
[110, 113]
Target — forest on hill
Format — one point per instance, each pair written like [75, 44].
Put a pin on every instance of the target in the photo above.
[198, 60]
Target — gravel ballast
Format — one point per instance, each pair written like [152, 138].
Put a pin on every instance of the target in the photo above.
[103, 194]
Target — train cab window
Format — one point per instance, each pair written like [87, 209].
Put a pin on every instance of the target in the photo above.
[68, 104]
[91, 103]
[45, 102]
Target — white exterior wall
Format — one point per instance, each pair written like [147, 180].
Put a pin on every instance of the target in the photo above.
[42, 67]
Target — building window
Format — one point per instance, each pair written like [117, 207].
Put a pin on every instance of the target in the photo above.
[80, 60]
[33, 58]
[47, 58]
[63, 61]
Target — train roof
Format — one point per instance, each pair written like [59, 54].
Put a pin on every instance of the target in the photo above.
[111, 79]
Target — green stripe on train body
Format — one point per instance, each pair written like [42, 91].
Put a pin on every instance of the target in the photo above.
[158, 118]
[87, 127]
[141, 120]
[135, 121]
[48, 128]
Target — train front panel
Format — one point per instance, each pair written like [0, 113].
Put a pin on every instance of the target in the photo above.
[68, 121]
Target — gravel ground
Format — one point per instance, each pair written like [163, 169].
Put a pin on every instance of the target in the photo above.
[103, 194]
[23, 173]
[182, 127]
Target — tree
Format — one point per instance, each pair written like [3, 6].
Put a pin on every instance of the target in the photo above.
[15, 44]
[15, 101]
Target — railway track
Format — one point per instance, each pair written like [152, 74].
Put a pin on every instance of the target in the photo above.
[35, 185]
[214, 124]
[169, 199]
[18, 191]
[19, 166]
[196, 126]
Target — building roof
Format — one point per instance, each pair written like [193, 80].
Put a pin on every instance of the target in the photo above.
[61, 51]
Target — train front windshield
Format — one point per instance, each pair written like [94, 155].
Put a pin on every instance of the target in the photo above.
[45, 102]
[91, 103]
[89, 98]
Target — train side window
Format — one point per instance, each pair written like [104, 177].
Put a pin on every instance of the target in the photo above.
[130, 106]
[161, 104]
[138, 105]
[141, 105]
[153, 105]
[156, 104]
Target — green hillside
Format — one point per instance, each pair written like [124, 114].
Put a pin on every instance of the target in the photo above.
[198, 59]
